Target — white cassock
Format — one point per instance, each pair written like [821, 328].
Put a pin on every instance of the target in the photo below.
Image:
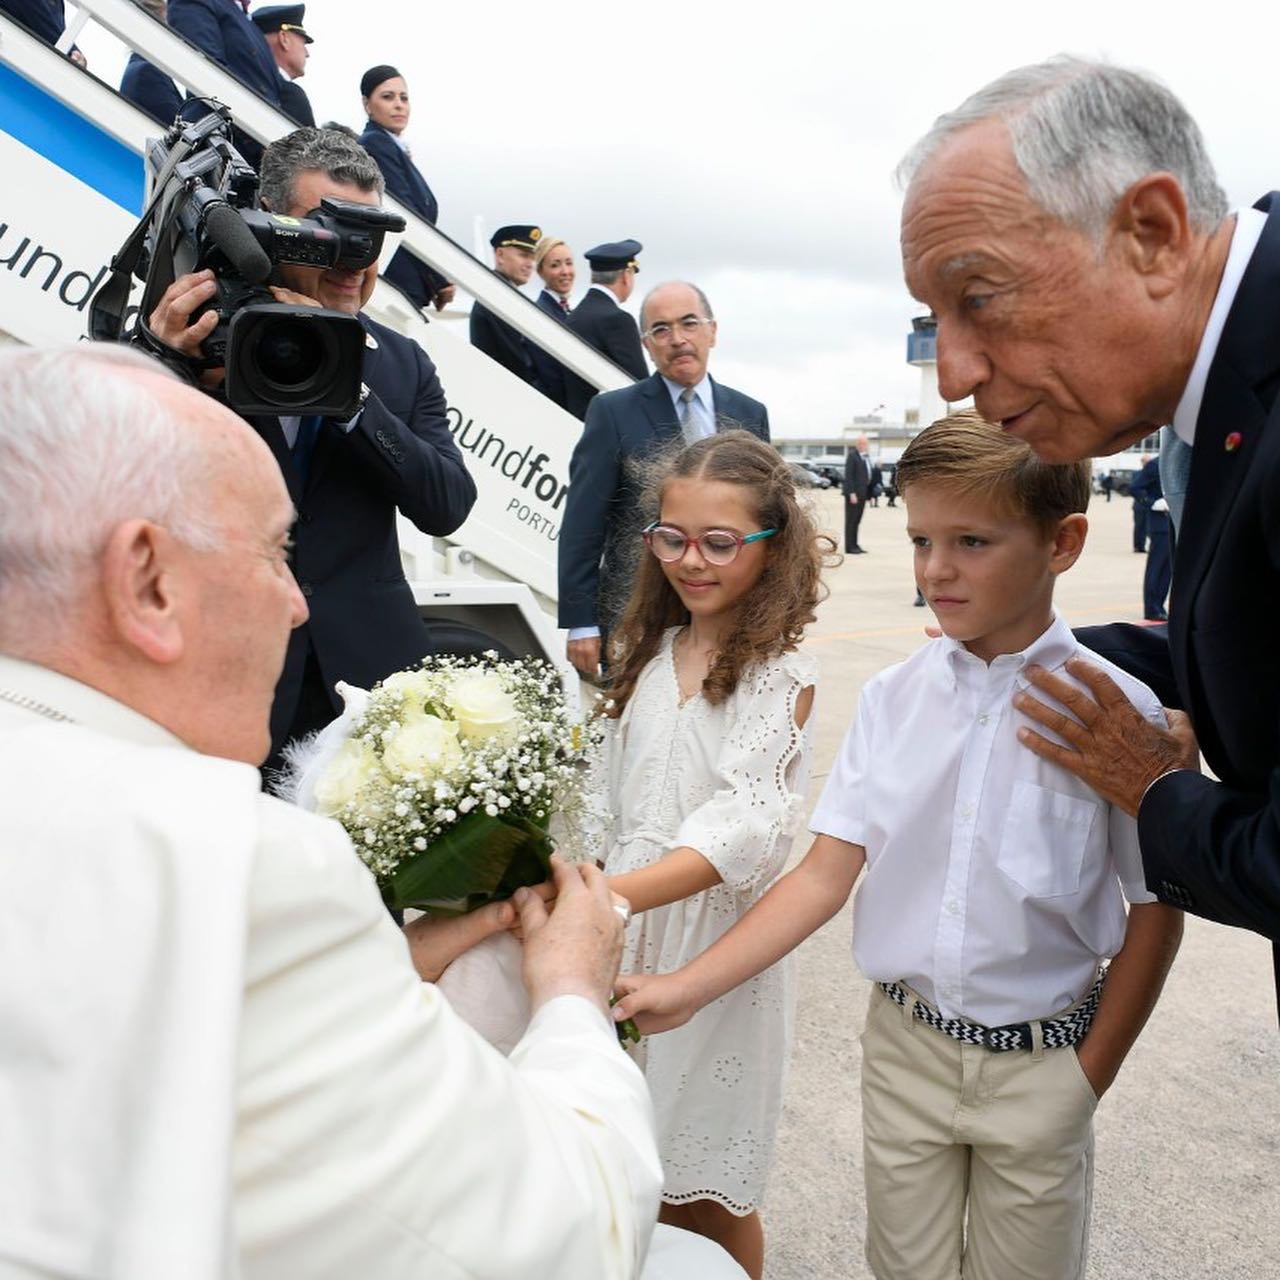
[217, 1061]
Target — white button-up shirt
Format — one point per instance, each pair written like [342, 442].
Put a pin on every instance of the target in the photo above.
[993, 881]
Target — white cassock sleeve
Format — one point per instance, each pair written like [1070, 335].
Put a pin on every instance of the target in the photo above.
[380, 1137]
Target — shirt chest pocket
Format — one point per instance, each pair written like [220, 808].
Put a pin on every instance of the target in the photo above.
[1045, 837]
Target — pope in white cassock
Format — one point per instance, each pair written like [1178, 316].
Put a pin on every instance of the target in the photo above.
[218, 1056]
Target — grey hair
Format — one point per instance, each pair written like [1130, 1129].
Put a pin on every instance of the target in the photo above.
[702, 298]
[83, 448]
[329, 151]
[1082, 134]
[607, 277]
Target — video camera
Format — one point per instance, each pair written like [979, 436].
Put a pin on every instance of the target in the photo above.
[202, 213]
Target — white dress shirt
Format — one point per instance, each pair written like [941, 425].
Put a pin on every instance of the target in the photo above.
[1244, 239]
[993, 880]
[216, 1059]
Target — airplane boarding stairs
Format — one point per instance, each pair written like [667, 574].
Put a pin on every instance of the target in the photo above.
[71, 156]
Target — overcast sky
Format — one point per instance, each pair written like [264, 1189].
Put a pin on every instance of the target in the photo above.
[751, 147]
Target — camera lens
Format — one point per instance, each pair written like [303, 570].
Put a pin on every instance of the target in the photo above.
[290, 353]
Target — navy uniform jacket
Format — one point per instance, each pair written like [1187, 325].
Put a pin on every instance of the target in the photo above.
[296, 104]
[552, 376]
[600, 321]
[417, 281]
[148, 88]
[43, 18]
[1213, 848]
[224, 31]
[399, 456]
[600, 537]
[500, 342]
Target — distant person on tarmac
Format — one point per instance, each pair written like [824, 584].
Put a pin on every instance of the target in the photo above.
[856, 487]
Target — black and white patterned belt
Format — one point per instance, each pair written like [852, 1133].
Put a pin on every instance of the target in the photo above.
[1057, 1033]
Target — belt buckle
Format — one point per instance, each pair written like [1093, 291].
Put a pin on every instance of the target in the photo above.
[1013, 1035]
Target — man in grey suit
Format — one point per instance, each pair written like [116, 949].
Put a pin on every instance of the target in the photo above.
[602, 517]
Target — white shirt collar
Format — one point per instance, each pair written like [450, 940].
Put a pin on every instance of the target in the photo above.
[1049, 650]
[398, 139]
[81, 703]
[1244, 239]
[608, 293]
[702, 393]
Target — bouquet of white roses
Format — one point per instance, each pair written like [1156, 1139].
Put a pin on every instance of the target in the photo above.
[447, 776]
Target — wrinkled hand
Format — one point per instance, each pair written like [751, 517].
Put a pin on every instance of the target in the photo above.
[656, 1001]
[435, 943]
[444, 296]
[585, 656]
[575, 949]
[1110, 745]
[171, 320]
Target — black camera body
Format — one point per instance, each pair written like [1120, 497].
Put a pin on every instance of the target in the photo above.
[279, 358]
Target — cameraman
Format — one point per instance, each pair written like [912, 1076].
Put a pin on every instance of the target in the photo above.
[346, 479]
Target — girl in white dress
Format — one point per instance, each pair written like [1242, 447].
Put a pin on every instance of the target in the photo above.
[706, 762]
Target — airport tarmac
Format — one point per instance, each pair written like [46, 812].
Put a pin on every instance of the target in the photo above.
[1188, 1152]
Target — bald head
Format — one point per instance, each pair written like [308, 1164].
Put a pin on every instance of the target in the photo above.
[142, 525]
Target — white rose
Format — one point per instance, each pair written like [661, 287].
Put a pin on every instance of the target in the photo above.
[411, 687]
[352, 769]
[426, 746]
[484, 709]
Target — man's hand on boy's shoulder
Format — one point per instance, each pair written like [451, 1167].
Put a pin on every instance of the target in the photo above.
[1110, 744]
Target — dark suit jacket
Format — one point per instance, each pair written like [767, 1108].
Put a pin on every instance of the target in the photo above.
[602, 521]
[600, 321]
[43, 18]
[417, 281]
[148, 88]
[552, 377]
[223, 30]
[1145, 486]
[857, 477]
[1213, 848]
[296, 104]
[500, 342]
[399, 456]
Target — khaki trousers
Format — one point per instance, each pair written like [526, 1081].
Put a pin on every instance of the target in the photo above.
[953, 1131]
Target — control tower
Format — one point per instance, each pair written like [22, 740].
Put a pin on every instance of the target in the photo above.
[922, 352]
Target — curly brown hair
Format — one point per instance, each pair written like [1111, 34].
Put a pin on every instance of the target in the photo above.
[772, 618]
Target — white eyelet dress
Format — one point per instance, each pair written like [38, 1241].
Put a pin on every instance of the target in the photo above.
[728, 781]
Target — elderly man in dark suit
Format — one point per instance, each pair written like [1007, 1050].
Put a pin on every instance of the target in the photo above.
[1067, 230]
[347, 479]
[600, 320]
[856, 489]
[601, 521]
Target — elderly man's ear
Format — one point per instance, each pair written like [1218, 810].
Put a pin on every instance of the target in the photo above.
[1153, 227]
[143, 586]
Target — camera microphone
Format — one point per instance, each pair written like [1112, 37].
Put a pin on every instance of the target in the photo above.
[226, 229]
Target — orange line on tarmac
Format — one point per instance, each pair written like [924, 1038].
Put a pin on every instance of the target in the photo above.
[1107, 612]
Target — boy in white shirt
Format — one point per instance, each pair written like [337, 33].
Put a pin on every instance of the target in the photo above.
[992, 899]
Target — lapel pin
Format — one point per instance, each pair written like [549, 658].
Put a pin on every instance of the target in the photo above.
[1233, 441]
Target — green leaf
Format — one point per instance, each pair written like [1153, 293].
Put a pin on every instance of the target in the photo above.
[478, 860]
